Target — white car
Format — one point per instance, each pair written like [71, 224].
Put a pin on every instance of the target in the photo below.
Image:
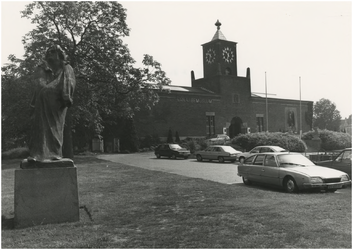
[291, 171]
[260, 149]
[219, 139]
[218, 152]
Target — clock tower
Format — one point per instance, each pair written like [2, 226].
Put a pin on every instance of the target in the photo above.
[219, 55]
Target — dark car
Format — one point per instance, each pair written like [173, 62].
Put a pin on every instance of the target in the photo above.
[342, 162]
[171, 151]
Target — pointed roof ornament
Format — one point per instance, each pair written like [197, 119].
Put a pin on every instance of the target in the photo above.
[218, 34]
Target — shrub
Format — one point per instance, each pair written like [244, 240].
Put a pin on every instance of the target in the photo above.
[149, 141]
[284, 140]
[16, 153]
[330, 140]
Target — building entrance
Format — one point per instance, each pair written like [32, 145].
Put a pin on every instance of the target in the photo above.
[235, 127]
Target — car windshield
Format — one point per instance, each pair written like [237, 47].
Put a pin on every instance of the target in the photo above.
[293, 159]
[174, 146]
[230, 150]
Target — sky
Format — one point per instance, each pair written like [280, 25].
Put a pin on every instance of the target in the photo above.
[300, 49]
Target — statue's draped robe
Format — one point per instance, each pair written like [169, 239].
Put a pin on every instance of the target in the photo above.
[52, 97]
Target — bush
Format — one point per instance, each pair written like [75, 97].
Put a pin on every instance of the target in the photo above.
[330, 140]
[284, 140]
[16, 153]
[149, 141]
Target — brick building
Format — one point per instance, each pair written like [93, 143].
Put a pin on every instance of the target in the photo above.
[221, 102]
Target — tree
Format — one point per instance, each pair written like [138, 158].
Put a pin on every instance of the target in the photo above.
[108, 85]
[129, 141]
[170, 136]
[177, 138]
[326, 116]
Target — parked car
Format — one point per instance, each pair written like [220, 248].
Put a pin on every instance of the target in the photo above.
[218, 139]
[260, 149]
[342, 162]
[291, 171]
[218, 152]
[171, 150]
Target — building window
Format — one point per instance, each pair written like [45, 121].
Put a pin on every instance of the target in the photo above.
[260, 123]
[210, 124]
[236, 98]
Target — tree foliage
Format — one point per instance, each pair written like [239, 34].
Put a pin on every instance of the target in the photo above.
[109, 86]
[326, 116]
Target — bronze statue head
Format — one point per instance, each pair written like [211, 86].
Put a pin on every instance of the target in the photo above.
[55, 53]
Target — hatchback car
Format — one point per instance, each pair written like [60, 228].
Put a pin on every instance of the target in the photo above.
[171, 151]
[260, 149]
[291, 171]
[342, 162]
[218, 152]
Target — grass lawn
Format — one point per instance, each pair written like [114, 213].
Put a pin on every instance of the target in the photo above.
[137, 208]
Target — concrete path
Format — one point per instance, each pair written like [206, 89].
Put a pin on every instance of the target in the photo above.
[213, 171]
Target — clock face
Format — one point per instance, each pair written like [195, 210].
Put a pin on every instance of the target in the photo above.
[228, 55]
[210, 56]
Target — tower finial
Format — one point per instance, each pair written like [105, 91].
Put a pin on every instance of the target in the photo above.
[218, 24]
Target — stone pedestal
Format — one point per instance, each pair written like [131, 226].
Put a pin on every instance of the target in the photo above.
[46, 196]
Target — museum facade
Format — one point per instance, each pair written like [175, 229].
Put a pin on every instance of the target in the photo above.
[221, 102]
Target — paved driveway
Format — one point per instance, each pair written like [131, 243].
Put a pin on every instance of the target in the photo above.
[213, 171]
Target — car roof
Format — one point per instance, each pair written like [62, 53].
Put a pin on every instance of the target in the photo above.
[273, 147]
[279, 153]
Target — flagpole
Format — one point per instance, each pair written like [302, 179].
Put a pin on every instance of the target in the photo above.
[266, 103]
[300, 106]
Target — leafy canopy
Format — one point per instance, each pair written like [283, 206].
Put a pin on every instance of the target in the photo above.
[91, 33]
[326, 116]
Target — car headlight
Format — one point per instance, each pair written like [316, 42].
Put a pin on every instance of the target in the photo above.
[344, 178]
[316, 180]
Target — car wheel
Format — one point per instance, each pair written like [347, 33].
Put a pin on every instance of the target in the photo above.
[246, 181]
[241, 159]
[289, 185]
[221, 159]
[158, 156]
[198, 157]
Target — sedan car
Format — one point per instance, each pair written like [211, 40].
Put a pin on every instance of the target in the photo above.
[291, 171]
[171, 151]
[260, 149]
[218, 152]
[342, 162]
[219, 139]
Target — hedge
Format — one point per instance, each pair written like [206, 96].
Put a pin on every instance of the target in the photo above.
[330, 140]
[284, 140]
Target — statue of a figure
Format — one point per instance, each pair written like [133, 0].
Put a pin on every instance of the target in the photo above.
[55, 83]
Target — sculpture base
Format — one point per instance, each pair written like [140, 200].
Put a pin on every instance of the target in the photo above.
[64, 162]
[46, 196]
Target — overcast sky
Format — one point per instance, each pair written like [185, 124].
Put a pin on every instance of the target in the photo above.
[287, 40]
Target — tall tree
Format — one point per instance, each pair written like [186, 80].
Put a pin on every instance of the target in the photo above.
[109, 86]
[326, 116]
